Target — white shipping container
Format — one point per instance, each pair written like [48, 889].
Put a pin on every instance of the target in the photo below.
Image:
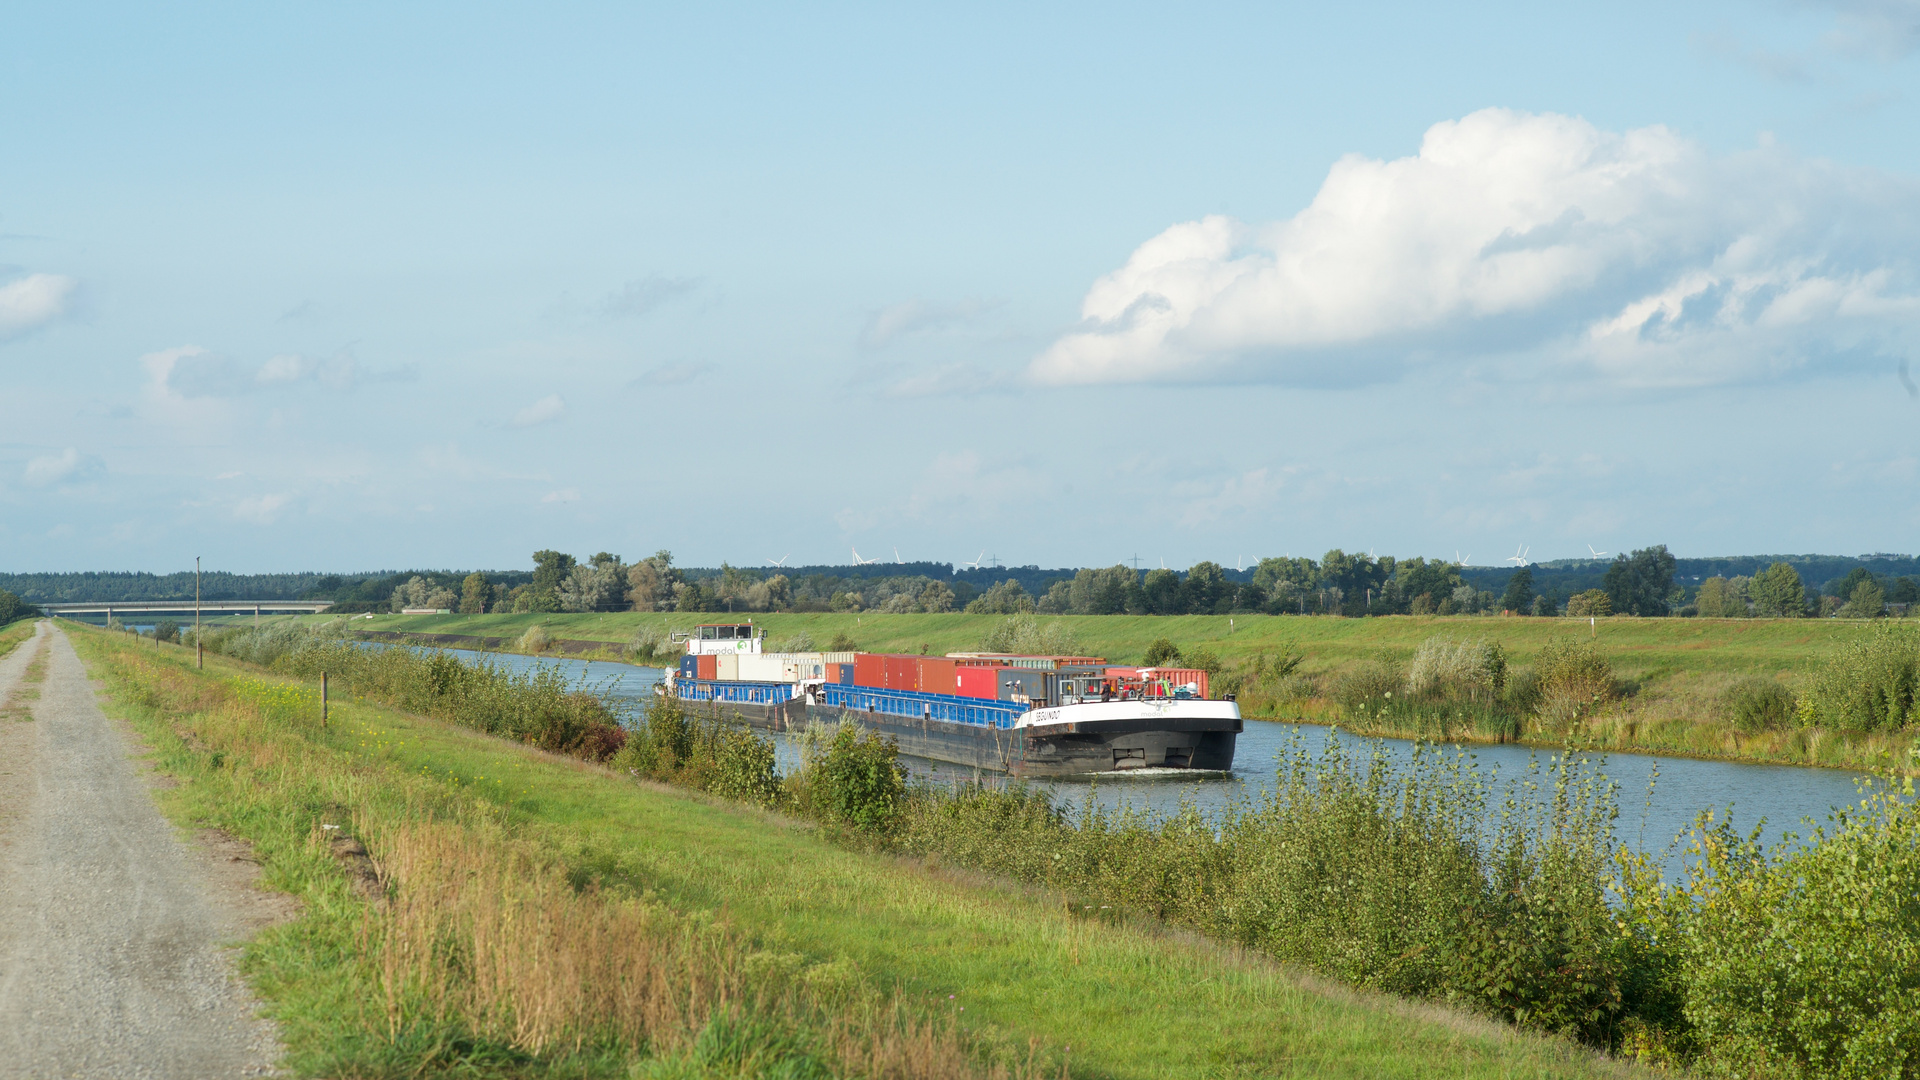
[726, 666]
[766, 667]
[836, 658]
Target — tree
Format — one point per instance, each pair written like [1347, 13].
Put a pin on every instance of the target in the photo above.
[1719, 598]
[1205, 588]
[550, 568]
[935, 598]
[13, 609]
[1641, 583]
[1006, 598]
[1778, 592]
[1904, 591]
[1164, 596]
[592, 587]
[1866, 602]
[1519, 595]
[1594, 603]
[473, 594]
[650, 581]
[1101, 592]
[1286, 582]
[1842, 587]
[418, 592]
[1058, 601]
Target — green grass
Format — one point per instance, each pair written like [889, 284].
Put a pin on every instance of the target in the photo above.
[1009, 964]
[12, 636]
[1673, 671]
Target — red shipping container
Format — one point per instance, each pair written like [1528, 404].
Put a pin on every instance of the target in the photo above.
[1176, 677]
[706, 667]
[976, 682]
[867, 671]
[936, 676]
[903, 672]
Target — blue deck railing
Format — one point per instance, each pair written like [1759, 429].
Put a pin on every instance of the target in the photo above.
[737, 693]
[915, 705]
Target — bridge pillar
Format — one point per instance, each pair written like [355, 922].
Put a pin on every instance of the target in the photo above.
[109, 614]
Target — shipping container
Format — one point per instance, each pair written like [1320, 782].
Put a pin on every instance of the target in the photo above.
[690, 667]
[707, 665]
[837, 657]
[1165, 681]
[1022, 684]
[902, 672]
[975, 681]
[868, 670]
[936, 676]
[726, 667]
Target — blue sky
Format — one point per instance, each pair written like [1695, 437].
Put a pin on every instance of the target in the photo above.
[347, 287]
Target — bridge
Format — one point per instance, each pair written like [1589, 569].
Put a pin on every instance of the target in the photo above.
[123, 609]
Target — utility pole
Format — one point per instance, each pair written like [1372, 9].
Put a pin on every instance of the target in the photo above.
[199, 650]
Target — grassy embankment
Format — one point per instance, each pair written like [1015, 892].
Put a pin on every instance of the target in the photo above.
[12, 636]
[523, 884]
[1671, 672]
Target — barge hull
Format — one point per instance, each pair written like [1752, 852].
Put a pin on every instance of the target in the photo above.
[1051, 750]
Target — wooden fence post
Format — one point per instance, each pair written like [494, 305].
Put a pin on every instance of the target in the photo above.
[323, 699]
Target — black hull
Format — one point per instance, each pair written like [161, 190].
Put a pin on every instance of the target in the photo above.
[1052, 750]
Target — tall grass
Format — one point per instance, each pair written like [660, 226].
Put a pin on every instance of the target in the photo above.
[483, 953]
[539, 707]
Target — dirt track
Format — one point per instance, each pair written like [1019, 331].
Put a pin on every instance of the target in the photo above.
[113, 932]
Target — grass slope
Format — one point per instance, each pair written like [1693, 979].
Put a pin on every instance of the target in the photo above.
[1012, 965]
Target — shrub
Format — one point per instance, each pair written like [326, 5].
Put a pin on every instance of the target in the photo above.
[1444, 669]
[1870, 684]
[1024, 634]
[842, 643]
[1204, 659]
[1593, 602]
[534, 641]
[650, 643]
[1801, 960]
[1574, 680]
[1754, 705]
[166, 630]
[800, 642]
[854, 778]
[1368, 685]
[1160, 654]
[706, 753]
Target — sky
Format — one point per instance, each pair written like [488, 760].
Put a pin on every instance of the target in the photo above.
[349, 286]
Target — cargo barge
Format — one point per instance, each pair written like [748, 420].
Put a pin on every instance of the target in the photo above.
[1025, 715]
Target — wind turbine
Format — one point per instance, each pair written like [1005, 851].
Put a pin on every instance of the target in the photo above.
[1596, 554]
[975, 564]
[781, 561]
[1458, 559]
[898, 561]
[858, 561]
[1519, 556]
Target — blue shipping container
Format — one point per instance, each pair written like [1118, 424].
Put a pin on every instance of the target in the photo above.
[689, 666]
[915, 705]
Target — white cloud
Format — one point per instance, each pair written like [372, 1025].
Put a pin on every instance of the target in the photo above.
[564, 495]
[546, 410]
[66, 467]
[33, 301]
[189, 371]
[918, 316]
[260, 509]
[1536, 241]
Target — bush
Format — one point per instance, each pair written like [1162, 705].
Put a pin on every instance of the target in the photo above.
[166, 630]
[1388, 876]
[800, 642]
[842, 643]
[1754, 705]
[1797, 961]
[1024, 634]
[1870, 684]
[650, 643]
[1444, 669]
[1161, 653]
[1370, 685]
[1574, 680]
[705, 753]
[534, 641]
[854, 778]
[1589, 604]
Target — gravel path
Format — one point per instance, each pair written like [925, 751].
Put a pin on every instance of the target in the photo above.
[113, 960]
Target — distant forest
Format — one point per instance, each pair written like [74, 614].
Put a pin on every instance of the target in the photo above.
[1651, 582]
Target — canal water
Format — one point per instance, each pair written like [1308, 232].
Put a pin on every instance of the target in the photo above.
[1781, 794]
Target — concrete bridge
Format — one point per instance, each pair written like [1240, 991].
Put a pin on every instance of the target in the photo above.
[125, 609]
